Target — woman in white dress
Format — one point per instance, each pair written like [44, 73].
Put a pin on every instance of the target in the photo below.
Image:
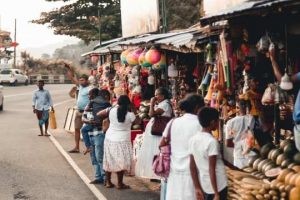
[117, 145]
[180, 184]
[159, 105]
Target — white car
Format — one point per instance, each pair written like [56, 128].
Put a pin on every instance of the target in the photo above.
[1, 97]
[13, 77]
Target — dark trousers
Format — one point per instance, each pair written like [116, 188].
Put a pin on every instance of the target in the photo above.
[223, 195]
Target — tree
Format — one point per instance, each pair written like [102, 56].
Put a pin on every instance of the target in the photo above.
[80, 19]
[182, 14]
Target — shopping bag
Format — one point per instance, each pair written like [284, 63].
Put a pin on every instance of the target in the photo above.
[52, 119]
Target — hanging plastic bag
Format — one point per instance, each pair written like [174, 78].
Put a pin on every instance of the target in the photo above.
[52, 119]
[263, 44]
[268, 97]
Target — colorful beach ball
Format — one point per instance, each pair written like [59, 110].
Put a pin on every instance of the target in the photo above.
[124, 55]
[142, 60]
[161, 64]
[132, 57]
[153, 56]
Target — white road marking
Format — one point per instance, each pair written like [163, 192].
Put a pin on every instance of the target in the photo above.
[81, 174]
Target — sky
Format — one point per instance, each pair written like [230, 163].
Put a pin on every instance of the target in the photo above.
[30, 35]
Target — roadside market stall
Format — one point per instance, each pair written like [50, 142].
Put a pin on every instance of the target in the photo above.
[239, 67]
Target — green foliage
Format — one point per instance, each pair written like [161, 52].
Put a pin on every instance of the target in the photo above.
[80, 19]
[182, 14]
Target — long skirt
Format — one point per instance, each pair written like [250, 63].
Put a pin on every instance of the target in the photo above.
[145, 156]
[117, 156]
[180, 186]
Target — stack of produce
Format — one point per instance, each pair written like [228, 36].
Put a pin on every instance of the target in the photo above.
[143, 114]
[274, 174]
[242, 185]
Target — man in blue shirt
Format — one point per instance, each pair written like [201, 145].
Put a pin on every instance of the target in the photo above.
[296, 109]
[82, 101]
[41, 102]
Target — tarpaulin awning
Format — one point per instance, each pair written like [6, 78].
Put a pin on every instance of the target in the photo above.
[250, 7]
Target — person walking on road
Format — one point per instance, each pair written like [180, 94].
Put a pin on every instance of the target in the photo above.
[82, 101]
[41, 102]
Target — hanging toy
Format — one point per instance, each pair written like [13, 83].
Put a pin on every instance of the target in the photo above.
[153, 56]
[208, 96]
[213, 102]
[142, 59]
[132, 57]
[161, 64]
[205, 82]
[124, 55]
[209, 51]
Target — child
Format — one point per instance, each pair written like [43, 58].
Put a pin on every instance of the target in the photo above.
[87, 118]
[206, 165]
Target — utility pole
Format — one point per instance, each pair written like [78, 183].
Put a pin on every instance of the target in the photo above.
[15, 46]
[164, 16]
[99, 15]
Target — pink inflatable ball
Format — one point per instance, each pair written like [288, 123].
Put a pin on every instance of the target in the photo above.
[153, 56]
[132, 57]
[161, 64]
[124, 55]
[142, 59]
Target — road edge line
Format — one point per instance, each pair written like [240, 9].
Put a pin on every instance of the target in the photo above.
[80, 173]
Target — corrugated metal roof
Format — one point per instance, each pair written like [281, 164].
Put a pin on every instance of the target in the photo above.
[245, 8]
[107, 42]
[147, 39]
[111, 48]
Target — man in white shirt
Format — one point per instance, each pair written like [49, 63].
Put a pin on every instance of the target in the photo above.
[41, 103]
[235, 131]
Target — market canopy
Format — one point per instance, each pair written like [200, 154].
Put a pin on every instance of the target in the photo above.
[251, 7]
[185, 41]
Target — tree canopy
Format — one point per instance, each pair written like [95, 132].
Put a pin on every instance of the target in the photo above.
[80, 19]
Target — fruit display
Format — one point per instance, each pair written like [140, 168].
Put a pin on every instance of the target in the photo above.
[272, 175]
[143, 112]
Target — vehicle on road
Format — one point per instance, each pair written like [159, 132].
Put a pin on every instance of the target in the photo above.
[13, 77]
[1, 98]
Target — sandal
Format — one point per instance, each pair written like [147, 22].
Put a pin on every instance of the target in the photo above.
[47, 135]
[88, 150]
[40, 134]
[74, 151]
[109, 185]
[123, 187]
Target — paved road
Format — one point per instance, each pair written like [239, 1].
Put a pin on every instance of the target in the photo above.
[32, 168]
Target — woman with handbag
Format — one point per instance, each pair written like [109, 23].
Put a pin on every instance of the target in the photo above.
[117, 145]
[161, 109]
[182, 129]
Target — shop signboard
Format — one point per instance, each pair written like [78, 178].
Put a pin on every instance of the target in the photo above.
[139, 17]
[212, 7]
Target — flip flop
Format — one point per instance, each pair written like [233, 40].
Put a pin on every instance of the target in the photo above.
[109, 185]
[123, 187]
[40, 135]
[47, 135]
[74, 151]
